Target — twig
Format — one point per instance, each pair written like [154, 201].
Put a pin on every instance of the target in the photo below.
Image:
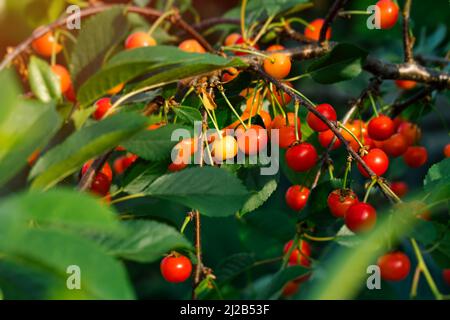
[407, 41]
[331, 15]
[400, 106]
[91, 172]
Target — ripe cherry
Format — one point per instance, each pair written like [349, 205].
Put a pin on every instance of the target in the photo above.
[100, 185]
[70, 94]
[252, 140]
[266, 118]
[287, 136]
[138, 40]
[301, 157]
[357, 129]
[395, 146]
[283, 99]
[176, 268]
[229, 74]
[240, 41]
[315, 123]
[394, 266]
[116, 89]
[446, 276]
[184, 150]
[280, 121]
[300, 255]
[191, 45]
[63, 76]
[415, 157]
[405, 84]
[360, 217]
[275, 47]
[380, 128]
[312, 31]
[400, 188]
[278, 65]
[377, 160]
[340, 200]
[410, 131]
[224, 148]
[447, 150]
[254, 100]
[388, 13]
[290, 289]
[44, 45]
[121, 164]
[231, 39]
[106, 170]
[101, 107]
[297, 197]
[325, 138]
[177, 166]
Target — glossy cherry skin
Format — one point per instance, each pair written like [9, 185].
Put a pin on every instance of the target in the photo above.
[287, 136]
[325, 138]
[70, 94]
[44, 45]
[266, 118]
[224, 148]
[275, 47]
[395, 146]
[231, 39]
[313, 30]
[299, 256]
[360, 217]
[283, 99]
[339, 201]
[388, 13]
[297, 197]
[410, 131]
[280, 121]
[315, 123]
[381, 128]
[400, 188]
[394, 266]
[301, 157]
[447, 150]
[121, 164]
[138, 40]
[64, 77]
[102, 106]
[100, 185]
[252, 140]
[106, 170]
[176, 269]
[191, 45]
[377, 160]
[405, 84]
[415, 157]
[278, 65]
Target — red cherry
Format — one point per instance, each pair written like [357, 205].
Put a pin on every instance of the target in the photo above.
[410, 131]
[101, 107]
[297, 197]
[395, 146]
[177, 166]
[360, 217]
[123, 163]
[299, 256]
[301, 157]
[283, 99]
[70, 94]
[106, 170]
[447, 150]
[138, 40]
[325, 138]
[394, 266]
[240, 41]
[280, 121]
[339, 201]
[381, 128]
[229, 74]
[312, 31]
[287, 136]
[405, 84]
[446, 276]
[176, 269]
[252, 140]
[315, 123]
[400, 188]
[415, 157]
[290, 289]
[377, 160]
[101, 184]
[388, 13]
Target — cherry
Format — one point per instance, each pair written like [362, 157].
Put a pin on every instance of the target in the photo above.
[177, 166]
[229, 74]
[101, 107]
[394, 266]
[44, 45]
[299, 256]
[240, 41]
[283, 99]
[123, 163]
[377, 160]
[446, 276]
[278, 65]
[315, 123]
[191, 45]
[185, 149]
[231, 39]
[106, 170]
[447, 150]
[381, 128]
[301, 157]
[280, 121]
[388, 13]
[312, 31]
[297, 196]
[252, 140]
[410, 131]
[266, 118]
[70, 94]
[360, 217]
[405, 84]
[116, 89]
[325, 138]
[287, 136]
[224, 148]
[415, 157]
[63, 76]
[290, 289]
[101, 184]
[397, 122]
[138, 40]
[395, 146]
[275, 47]
[400, 188]
[356, 128]
[340, 200]
[254, 100]
[176, 268]
[155, 126]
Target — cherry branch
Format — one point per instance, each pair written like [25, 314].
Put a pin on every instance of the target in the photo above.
[400, 106]
[331, 15]
[407, 41]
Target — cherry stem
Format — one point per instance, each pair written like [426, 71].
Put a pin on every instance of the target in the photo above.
[296, 107]
[301, 21]
[348, 168]
[373, 104]
[415, 282]
[186, 222]
[129, 197]
[233, 109]
[340, 125]
[369, 188]
[158, 21]
[240, 49]
[213, 121]
[313, 238]
[352, 12]
[262, 31]
[54, 44]
[243, 8]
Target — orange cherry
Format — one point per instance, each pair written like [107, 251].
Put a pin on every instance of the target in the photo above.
[191, 45]
[63, 76]
[45, 44]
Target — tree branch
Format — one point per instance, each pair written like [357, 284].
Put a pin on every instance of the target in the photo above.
[400, 106]
[407, 41]
[331, 15]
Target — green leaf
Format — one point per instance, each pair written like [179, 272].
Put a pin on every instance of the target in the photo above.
[154, 145]
[344, 62]
[280, 279]
[161, 64]
[83, 145]
[188, 114]
[233, 265]
[9, 91]
[212, 191]
[22, 132]
[144, 241]
[97, 37]
[437, 181]
[43, 82]
[140, 175]
[258, 198]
